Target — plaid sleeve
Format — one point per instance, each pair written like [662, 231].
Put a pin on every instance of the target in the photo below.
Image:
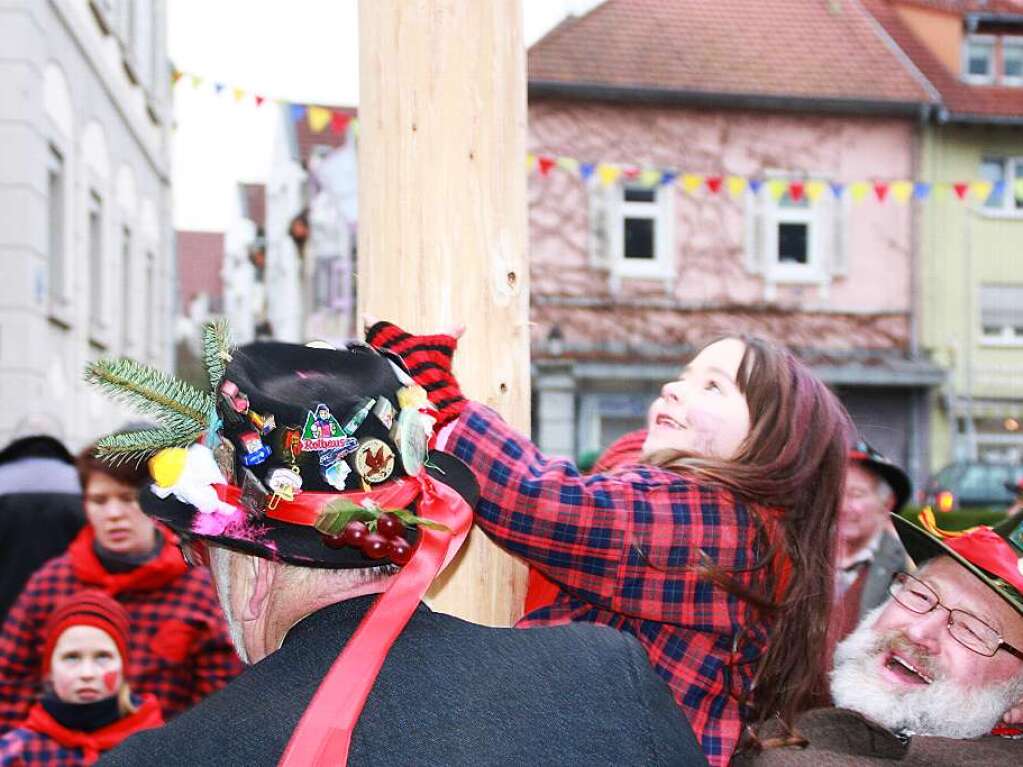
[626, 541]
[20, 661]
[216, 662]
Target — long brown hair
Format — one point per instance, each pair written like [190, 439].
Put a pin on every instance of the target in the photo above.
[793, 459]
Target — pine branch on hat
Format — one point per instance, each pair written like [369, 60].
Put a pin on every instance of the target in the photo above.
[428, 359]
[216, 350]
[183, 411]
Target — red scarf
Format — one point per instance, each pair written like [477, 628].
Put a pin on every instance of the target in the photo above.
[164, 568]
[146, 717]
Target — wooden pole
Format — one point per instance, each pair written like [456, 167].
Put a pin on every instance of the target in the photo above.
[442, 219]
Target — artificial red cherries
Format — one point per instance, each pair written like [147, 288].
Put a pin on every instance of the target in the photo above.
[383, 538]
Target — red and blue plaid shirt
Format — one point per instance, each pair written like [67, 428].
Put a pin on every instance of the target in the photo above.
[624, 548]
[26, 748]
[180, 650]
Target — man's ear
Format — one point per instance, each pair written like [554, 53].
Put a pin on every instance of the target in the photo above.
[261, 576]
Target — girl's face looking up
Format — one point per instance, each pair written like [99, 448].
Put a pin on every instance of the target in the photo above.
[702, 412]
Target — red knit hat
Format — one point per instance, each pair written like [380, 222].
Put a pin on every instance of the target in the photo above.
[88, 608]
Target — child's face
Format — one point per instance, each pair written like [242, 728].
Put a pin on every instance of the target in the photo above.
[702, 412]
[86, 665]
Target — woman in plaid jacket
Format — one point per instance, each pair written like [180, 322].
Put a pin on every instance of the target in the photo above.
[179, 641]
[715, 552]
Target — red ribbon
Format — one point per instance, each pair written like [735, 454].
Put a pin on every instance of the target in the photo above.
[324, 733]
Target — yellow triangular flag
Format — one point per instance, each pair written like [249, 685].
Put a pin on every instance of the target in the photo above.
[691, 182]
[736, 185]
[814, 189]
[902, 191]
[981, 189]
[776, 187]
[530, 162]
[939, 191]
[858, 190]
[608, 174]
[318, 118]
[568, 163]
[650, 177]
[196, 81]
[239, 94]
[353, 128]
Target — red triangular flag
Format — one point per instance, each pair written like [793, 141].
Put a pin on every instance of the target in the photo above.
[714, 184]
[339, 121]
[796, 189]
[545, 163]
[631, 173]
[961, 189]
[881, 190]
[259, 101]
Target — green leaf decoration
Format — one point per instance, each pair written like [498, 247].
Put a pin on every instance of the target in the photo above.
[136, 446]
[409, 518]
[182, 410]
[336, 514]
[216, 350]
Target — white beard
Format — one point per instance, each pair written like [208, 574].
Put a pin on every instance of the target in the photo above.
[220, 562]
[944, 707]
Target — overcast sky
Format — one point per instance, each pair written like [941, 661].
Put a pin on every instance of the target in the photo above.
[300, 50]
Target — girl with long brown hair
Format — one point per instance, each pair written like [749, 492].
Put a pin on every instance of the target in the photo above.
[715, 552]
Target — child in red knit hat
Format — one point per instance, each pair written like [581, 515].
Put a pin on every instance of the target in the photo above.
[87, 707]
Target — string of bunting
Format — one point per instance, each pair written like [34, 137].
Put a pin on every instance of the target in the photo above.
[318, 118]
[338, 121]
[810, 189]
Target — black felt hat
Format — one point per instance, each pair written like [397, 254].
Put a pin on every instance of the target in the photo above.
[896, 478]
[346, 422]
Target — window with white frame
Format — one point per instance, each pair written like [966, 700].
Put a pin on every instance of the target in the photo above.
[632, 230]
[1012, 60]
[95, 252]
[1006, 177]
[127, 291]
[979, 59]
[1001, 313]
[795, 239]
[55, 227]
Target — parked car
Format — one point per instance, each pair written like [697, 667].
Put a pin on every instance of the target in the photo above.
[972, 484]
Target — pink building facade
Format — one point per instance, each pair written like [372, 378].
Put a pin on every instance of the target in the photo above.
[628, 278]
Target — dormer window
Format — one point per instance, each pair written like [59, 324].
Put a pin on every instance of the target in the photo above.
[979, 59]
[1012, 60]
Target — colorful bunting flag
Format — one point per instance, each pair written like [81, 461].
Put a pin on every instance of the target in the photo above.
[796, 189]
[814, 190]
[776, 188]
[608, 174]
[736, 186]
[902, 191]
[668, 177]
[630, 173]
[297, 112]
[545, 163]
[837, 187]
[586, 170]
[650, 177]
[881, 190]
[921, 190]
[218, 87]
[239, 94]
[691, 182]
[981, 190]
[858, 190]
[755, 184]
[530, 162]
[569, 164]
[319, 118]
[196, 81]
[714, 184]
[960, 189]
[1017, 189]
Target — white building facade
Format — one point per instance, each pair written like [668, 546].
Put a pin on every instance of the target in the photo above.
[86, 240]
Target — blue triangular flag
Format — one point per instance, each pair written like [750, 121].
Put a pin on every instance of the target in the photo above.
[297, 112]
[837, 187]
[755, 184]
[218, 87]
[997, 191]
[668, 176]
[586, 170]
[921, 190]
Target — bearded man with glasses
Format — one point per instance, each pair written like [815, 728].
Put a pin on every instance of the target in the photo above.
[930, 677]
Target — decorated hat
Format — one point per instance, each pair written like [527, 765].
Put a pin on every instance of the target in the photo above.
[993, 554]
[312, 455]
[896, 478]
[316, 456]
[88, 608]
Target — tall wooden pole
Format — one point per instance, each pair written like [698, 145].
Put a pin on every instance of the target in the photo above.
[442, 219]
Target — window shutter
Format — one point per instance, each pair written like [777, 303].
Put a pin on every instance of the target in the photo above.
[756, 234]
[839, 239]
[599, 236]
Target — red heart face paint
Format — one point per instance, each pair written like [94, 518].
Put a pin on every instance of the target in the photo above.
[111, 680]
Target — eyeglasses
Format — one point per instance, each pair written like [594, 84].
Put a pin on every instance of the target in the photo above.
[195, 552]
[967, 629]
